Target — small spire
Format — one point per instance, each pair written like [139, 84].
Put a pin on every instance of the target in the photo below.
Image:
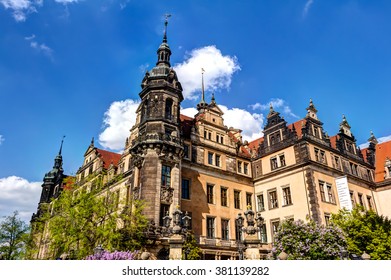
[203, 91]
[62, 141]
[165, 28]
[213, 100]
[344, 122]
[92, 142]
[202, 103]
[372, 138]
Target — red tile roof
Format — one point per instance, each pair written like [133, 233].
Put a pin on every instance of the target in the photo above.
[383, 151]
[186, 125]
[109, 158]
[333, 141]
[298, 125]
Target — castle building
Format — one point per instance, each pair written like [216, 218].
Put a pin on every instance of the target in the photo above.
[295, 171]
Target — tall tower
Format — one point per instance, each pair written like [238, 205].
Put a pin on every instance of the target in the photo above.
[156, 148]
[52, 183]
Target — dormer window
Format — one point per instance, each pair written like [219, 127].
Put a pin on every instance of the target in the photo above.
[275, 138]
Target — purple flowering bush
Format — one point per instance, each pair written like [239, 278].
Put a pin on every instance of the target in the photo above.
[116, 255]
[308, 241]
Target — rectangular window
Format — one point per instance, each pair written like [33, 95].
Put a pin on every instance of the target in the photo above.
[275, 224]
[327, 219]
[164, 211]
[217, 160]
[286, 193]
[210, 158]
[249, 201]
[321, 188]
[320, 155]
[224, 196]
[273, 163]
[360, 199]
[210, 194]
[273, 202]
[237, 199]
[369, 200]
[166, 176]
[282, 160]
[210, 227]
[263, 234]
[185, 188]
[224, 229]
[330, 193]
[275, 138]
[352, 198]
[245, 168]
[239, 166]
[186, 154]
[337, 163]
[261, 202]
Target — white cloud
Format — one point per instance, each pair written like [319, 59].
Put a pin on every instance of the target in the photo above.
[66, 1]
[118, 120]
[218, 71]
[43, 48]
[277, 104]
[144, 67]
[19, 194]
[190, 112]
[307, 7]
[1, 139]
[21, 8]
[123, 4]
[250, 123]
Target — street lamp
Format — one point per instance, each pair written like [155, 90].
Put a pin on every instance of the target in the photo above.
[254, 225]
[180, 222]
[180, 225]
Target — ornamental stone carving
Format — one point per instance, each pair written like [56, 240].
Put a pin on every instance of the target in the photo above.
[166, 195]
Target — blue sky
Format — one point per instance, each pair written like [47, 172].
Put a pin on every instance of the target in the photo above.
[74, 68]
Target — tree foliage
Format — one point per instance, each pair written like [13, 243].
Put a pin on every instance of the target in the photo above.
[365, 231]
[191, 250]
[308, 241]
[80, 220]
[13, 237]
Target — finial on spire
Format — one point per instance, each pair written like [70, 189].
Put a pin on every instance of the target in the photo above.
[213, 100]
[165, 28]
[92, 142]
[62, 141]
[203, 92]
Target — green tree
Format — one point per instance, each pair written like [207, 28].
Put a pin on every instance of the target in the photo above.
[191, 250]
[78, 221]
[365, 231]
[308, 241]
[13, 237]
[134, 227]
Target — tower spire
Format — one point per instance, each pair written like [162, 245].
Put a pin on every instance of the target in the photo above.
[165, 28]
[203, 89]
[62, 141]
[164, 51]
[202, 103]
